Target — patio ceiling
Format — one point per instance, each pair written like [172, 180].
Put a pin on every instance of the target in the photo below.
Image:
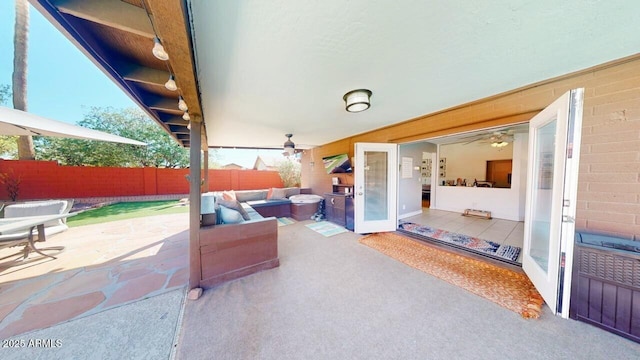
[257, 70]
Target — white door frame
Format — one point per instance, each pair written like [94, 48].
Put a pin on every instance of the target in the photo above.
[389, 222]
[554, 283]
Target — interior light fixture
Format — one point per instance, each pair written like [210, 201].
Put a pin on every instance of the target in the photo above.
[171, 84]
[357, 100]
[499, 144]
[289, 146]
[158, 50]
[186, 116]
[182, 105]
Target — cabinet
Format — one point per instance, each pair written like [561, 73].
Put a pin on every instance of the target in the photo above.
[338, 207]
[343, 188]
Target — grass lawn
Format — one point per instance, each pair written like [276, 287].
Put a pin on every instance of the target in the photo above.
[127, 210]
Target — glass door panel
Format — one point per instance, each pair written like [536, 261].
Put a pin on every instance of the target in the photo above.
[375, 187]
[542, 192]
[375, 190]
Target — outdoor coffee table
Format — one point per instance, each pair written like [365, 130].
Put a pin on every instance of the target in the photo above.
[29, 223]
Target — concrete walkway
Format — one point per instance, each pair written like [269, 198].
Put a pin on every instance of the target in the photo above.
[103, 266]
[143, 329]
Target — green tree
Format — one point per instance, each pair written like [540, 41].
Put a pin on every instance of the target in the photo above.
[161, 149]
[8, 144]
[5, 94]
[289, 170]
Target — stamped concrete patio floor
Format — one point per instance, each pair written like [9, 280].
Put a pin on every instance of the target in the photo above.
[103, 266]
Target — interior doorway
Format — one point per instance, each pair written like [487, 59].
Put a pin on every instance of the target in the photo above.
[445, 187]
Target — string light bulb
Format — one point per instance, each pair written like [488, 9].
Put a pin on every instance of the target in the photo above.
[186, 116]
[158, 50]
[182, 105]
[171, 83]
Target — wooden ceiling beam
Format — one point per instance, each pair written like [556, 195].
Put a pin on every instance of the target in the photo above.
[174, 120]
[170, 20]
[163, 104]
[181, 129]
[113, 13]
[145, 75]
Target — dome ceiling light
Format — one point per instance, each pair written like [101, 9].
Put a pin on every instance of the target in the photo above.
[357, 100]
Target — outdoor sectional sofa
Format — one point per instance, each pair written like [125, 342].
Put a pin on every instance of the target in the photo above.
[234, 247]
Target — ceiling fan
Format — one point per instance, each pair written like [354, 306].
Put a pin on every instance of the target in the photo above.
[499, 138]
[289, 146]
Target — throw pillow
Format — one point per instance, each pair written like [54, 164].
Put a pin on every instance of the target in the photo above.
[235, 205]
[229, 195]
[277, 193]
[230, 216]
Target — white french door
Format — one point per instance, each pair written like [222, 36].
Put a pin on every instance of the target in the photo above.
[552, 181]
[375, 190]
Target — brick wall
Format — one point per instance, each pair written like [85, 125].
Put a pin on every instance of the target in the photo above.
[47, 179]
[609, 175]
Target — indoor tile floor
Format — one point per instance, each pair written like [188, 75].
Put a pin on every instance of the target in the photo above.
[505, 232]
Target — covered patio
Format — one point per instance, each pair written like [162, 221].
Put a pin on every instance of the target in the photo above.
[248, 73]
[331, 297]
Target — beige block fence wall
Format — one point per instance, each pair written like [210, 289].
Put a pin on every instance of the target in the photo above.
[609, 175]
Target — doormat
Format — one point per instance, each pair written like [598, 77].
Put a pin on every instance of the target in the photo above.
[282, 221]
[507, 288]
[326, 228]
[507, 252]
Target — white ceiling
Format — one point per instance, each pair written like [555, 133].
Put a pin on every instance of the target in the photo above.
[267, 68]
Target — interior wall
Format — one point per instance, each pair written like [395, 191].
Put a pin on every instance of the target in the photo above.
[608, 182]
[312, 172]
[410, 189]
[503, 203]
[469, 161]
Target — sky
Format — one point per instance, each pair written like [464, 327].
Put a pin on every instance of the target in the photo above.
[62, 83]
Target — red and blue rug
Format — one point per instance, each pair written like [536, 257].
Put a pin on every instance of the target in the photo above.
[507, 252]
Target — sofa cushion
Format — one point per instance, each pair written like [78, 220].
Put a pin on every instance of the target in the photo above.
[251, 195]
[277, 193]
[234, 205]
[253, 214]
[261, 203]
[207, 203]
[230, 216]
[290, 191]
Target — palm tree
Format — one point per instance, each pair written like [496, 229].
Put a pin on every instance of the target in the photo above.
[20, 37]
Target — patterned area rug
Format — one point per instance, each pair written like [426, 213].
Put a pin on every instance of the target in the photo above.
[504, 287]
[485, 246]
[282, 221]
[326, 228]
